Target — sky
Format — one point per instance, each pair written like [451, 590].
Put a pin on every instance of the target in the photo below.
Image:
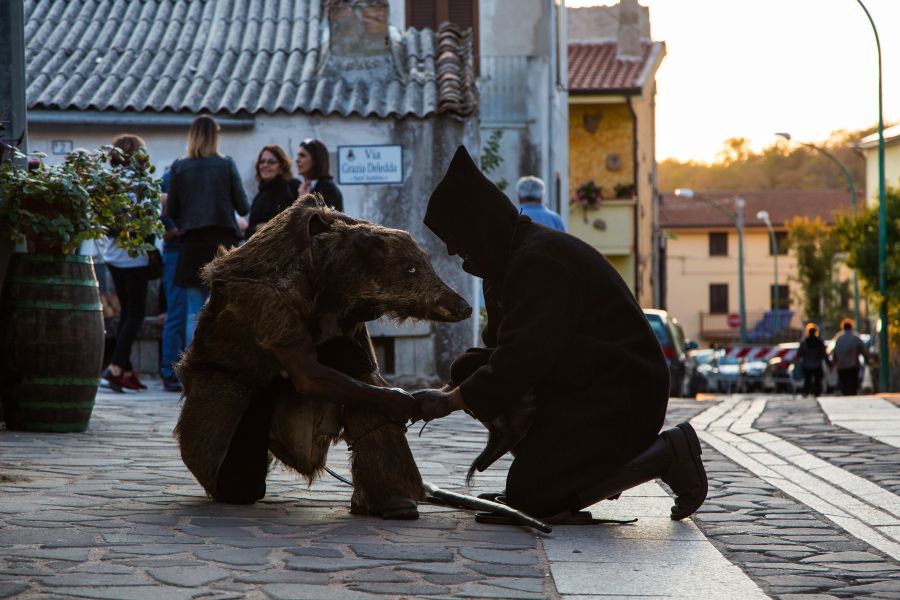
[749, 68]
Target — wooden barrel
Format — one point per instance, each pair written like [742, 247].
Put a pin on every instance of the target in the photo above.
[51, 341]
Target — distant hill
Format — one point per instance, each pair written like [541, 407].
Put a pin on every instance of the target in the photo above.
[782, 165]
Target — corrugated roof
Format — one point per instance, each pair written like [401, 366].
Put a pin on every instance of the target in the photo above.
[782, 206]
[596, 67]
[230, 56]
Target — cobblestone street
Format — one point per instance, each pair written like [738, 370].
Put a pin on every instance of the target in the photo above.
[803, 504]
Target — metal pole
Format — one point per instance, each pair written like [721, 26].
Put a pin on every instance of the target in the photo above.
[883, 347]
[777, 306]
[739, 221]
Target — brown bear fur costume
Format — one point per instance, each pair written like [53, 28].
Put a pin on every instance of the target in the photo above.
[281, 360]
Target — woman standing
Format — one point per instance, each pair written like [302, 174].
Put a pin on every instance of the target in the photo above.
[313, 166]
[810, 356]
[277, 187]
[130, 277]
[205, 192]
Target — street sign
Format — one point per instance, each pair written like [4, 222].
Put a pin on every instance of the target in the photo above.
[367, 165]
[734, 320]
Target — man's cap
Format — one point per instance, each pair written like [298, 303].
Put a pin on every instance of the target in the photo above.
[530, 187]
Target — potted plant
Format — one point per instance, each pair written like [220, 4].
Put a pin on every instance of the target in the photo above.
[588, 195]
[51, 326]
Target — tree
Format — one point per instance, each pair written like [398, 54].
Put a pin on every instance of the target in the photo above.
[817, 248]
[858, 236]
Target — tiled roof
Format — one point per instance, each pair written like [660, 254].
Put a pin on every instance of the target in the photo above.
[782, 206]
[230, 56]
[595, 67]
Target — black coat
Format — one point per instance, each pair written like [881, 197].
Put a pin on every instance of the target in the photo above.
[562, 323]
[272, 198]
[330, 192]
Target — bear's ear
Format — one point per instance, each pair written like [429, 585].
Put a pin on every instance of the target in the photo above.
[318, 223]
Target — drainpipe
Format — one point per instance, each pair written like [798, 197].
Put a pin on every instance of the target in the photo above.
[637, 203]
[551, 105]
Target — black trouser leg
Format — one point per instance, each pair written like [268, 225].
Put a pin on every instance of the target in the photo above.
[242, 475]
[131, 289]
[849, 381]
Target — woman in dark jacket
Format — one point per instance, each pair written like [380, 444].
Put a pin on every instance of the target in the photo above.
[205, 192]
[810, 356]
[277, 187]
[313, 166]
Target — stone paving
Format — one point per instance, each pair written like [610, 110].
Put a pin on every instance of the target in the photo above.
[113, 513]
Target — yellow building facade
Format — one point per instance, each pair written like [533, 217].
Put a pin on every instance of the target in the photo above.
[612, 89]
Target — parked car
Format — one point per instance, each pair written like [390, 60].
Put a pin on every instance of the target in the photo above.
[778, 374]
[702, 375]
[736, 375]
[674, 347]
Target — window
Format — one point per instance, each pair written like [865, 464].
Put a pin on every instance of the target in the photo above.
[781, 241]
[431, 13]
[718, 243]
[718, 298]
[784, 296]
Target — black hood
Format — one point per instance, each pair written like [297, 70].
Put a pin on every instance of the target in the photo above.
[472, 216]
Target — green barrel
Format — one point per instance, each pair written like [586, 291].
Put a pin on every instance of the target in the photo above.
[51, 341]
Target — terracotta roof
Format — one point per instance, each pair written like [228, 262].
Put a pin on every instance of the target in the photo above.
[232, 56]
[782, 205]
[594, 67]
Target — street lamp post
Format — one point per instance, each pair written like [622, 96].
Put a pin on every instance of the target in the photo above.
[852, 187]
[764, 217]
[883, 346]
[738, 218]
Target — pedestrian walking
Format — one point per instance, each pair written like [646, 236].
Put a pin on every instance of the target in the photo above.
[278, 188]
[205, 192]
[314, 166]
[556, 310]
[531, 203]
[848, 347]
[810, 356]
[130, 278]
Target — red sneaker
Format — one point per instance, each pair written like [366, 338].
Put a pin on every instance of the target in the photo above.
[119, 383]
[133, 378]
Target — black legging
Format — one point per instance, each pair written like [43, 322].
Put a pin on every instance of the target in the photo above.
[812, 381]
[131, 289]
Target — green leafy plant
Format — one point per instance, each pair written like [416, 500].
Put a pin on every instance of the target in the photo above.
[89, 195]
[623, 190]
[589, 194]
[491, 158]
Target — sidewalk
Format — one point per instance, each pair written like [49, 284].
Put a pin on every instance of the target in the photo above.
[798, 508]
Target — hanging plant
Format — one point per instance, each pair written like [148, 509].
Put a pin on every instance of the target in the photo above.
[588, 195]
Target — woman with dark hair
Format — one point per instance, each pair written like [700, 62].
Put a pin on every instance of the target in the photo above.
[130, 278]
[277, 187]
[314, 167]
[205, 192]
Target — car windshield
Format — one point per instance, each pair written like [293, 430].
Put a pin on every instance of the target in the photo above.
[659, 328]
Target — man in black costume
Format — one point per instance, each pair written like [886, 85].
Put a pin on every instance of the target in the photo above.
[563, 327]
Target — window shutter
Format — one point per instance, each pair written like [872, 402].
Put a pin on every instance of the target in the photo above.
[422, 14]
[461, 12]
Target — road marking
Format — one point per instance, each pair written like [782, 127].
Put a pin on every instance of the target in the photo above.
[873, 417]
[860, 507]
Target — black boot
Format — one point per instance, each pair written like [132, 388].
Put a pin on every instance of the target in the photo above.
[673, 457]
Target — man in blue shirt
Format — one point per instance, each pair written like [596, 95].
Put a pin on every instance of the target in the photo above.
[531, 203]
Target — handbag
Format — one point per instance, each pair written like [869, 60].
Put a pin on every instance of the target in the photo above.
[154, 264]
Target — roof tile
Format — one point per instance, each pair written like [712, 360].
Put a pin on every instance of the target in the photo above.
[595, 67]
[230, 56]
[782, 205]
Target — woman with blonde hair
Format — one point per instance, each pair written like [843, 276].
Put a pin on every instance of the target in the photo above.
[810, 356]
[205, 192]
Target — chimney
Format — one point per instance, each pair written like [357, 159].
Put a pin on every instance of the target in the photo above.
[629, 34]
[357, 28]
